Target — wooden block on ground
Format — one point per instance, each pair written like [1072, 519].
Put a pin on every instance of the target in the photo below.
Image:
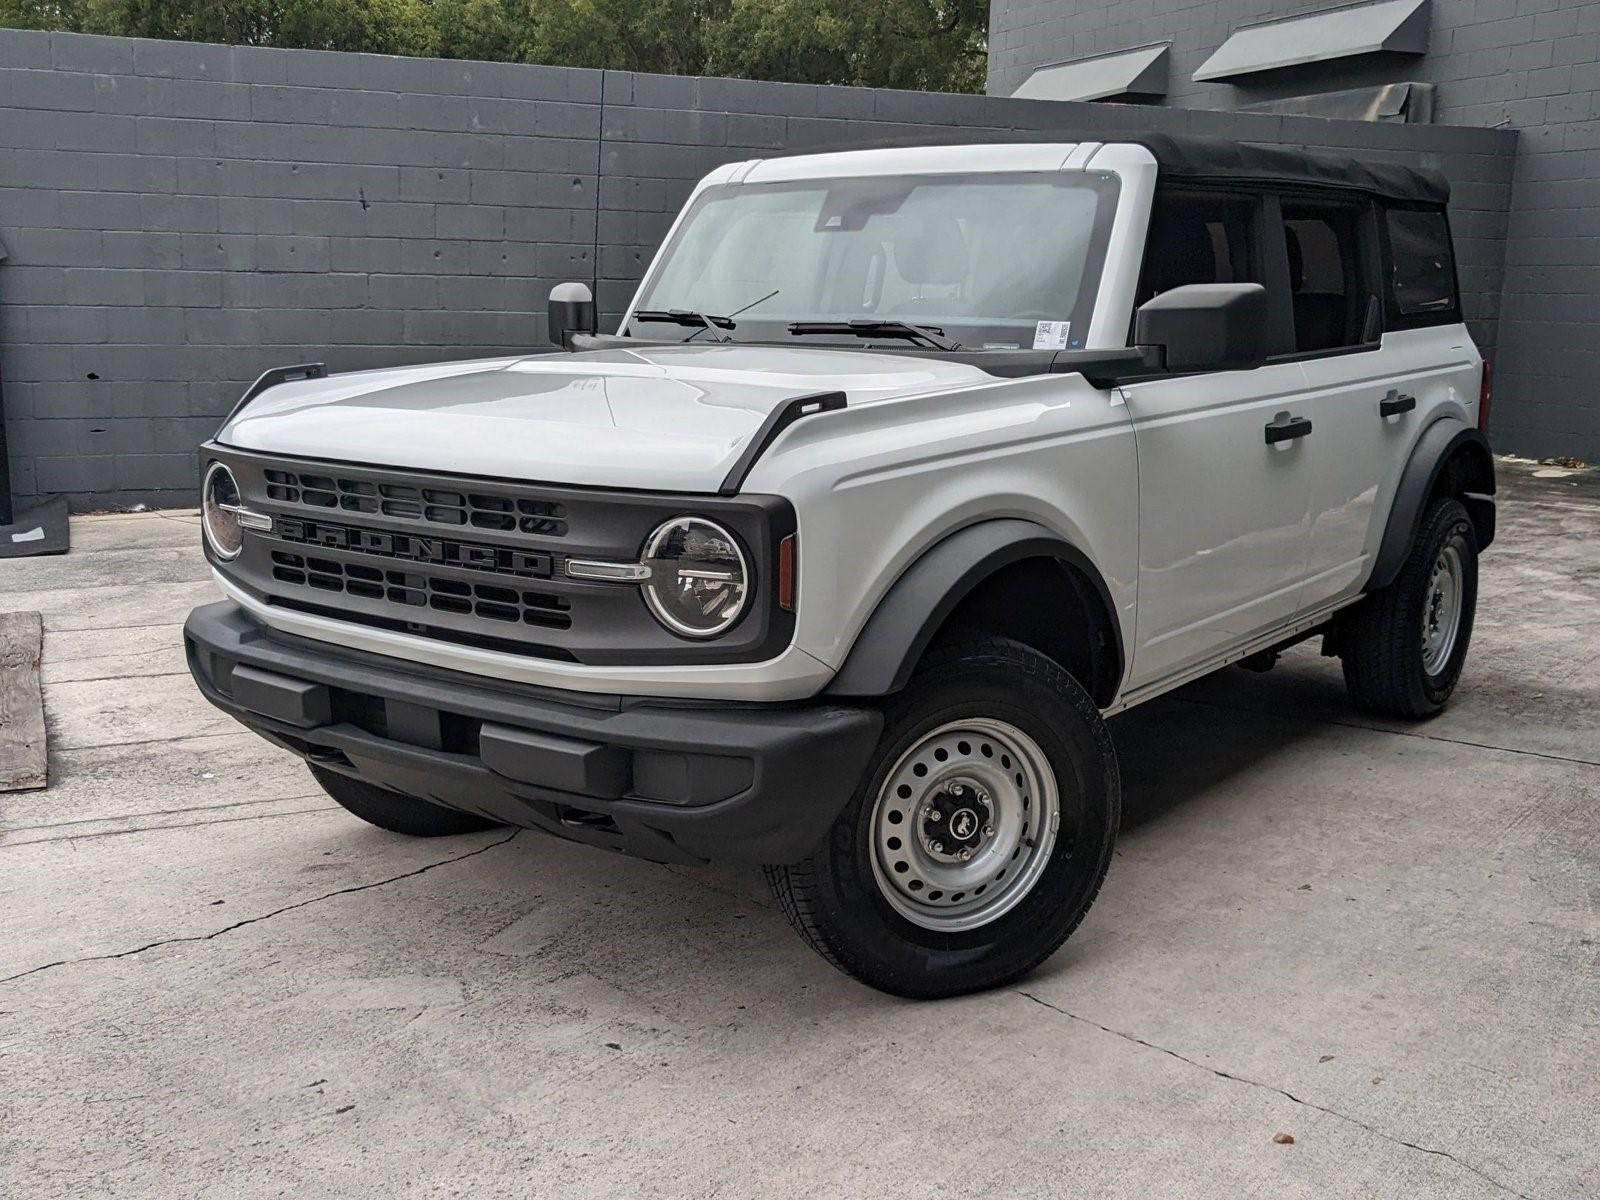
[22, 746]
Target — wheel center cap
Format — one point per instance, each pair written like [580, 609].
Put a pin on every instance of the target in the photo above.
[957, 821]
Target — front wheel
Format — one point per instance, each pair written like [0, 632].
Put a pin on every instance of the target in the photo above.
[979, 837]
[1404, 646]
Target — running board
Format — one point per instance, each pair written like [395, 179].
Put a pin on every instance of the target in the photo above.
[1276, 637]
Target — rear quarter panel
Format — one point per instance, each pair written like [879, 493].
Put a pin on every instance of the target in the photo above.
[1442, 367]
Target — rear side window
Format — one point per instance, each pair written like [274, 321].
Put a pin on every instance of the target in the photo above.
[1422, 268]
[1330, 288]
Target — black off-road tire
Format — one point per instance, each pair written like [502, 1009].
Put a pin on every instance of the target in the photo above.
[833, 898]
[1381, 643]
[395, 812]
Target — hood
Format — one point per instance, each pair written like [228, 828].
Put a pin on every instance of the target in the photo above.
[659, 418]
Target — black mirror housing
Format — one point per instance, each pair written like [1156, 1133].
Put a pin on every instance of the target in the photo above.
[572, 312]
[1206, 326]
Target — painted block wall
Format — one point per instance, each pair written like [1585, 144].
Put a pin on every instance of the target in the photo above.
[180, 217]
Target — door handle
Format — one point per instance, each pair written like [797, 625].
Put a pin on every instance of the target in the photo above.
[1395, 403]
[1287, 428]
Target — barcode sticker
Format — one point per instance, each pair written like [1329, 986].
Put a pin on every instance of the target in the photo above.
[1051, 335]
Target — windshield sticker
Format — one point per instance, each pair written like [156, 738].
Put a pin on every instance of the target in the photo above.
[1051, 335]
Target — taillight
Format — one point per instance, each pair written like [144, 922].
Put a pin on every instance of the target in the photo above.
[1483, 399]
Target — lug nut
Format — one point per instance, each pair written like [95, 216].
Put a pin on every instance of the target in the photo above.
[964, 855]
[933, 814]
[937, 847]
[988, 831]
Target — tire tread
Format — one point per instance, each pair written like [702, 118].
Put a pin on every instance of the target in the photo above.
[1380, 649]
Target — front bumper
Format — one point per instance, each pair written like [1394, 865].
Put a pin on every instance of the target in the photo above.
[671, 781]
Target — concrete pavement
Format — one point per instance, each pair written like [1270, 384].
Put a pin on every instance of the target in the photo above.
[1378, 938]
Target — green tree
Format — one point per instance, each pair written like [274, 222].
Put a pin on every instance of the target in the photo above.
[667, 36]
[485, 30]
[932, 44]
[384, 26]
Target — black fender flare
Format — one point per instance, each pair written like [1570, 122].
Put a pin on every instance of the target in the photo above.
[890, 644]
[1439, 444]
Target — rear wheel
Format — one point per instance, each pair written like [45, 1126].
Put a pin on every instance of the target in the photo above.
[1403, 648]
[396, 812]
[979, 836]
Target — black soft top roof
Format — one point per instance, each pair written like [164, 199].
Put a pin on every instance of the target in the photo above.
[1215, 160]
[1219, 158]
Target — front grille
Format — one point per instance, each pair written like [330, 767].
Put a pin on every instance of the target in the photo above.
[441, 506]
[432, 549]
[482, 562]
[418, 589]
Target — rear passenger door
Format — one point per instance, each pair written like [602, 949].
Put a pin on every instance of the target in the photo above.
[1330, 258]
[1223, 515]
[1375, 375]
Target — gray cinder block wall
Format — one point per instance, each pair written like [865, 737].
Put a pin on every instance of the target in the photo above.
[1527, 65]
[180, 217]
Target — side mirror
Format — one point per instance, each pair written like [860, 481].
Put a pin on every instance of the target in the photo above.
[1206, 326]
[571, 312]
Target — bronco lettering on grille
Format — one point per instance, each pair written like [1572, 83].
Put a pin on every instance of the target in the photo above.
[499, 559]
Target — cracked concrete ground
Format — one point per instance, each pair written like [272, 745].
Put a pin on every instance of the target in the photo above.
[1379, 938]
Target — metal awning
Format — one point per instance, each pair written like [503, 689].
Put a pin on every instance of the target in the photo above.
[1406, 102]
[1141, 72]
[1395, 26]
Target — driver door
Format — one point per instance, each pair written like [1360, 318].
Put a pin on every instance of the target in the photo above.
[1224, 516]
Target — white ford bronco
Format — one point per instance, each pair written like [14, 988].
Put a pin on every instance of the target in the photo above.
[904, 469]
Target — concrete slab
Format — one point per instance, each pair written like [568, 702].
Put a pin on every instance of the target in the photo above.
[115, 606]
[123, 786]
[1379, 939]
[106, 568]
[132, 531]
[137, 711]
[113, 654]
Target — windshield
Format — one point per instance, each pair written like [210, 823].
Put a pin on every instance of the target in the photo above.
[1000, 262]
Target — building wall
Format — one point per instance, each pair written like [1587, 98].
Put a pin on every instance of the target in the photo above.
[1532, 66]
[180, 217]
[1489, 59]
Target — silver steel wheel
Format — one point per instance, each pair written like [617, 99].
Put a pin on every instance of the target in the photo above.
[1441, 612]
[964, 825]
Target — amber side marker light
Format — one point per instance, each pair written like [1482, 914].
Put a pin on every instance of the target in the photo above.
[1483, 399]
[786, 574]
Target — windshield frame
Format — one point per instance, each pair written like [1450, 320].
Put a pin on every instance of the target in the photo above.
[753, 329]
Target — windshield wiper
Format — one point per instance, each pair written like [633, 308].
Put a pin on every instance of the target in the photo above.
[930, 335]
[686, 316]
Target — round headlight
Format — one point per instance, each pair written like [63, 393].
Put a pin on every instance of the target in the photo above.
[698, 581]
[219, 512]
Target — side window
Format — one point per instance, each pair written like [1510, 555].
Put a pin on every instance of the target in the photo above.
[1422, 269]
[1199, 238]
[1329, 284]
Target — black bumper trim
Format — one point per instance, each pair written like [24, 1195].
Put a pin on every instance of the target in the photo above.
[673, 782]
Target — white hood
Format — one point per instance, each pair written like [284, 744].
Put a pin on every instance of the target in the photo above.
[661, 418]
